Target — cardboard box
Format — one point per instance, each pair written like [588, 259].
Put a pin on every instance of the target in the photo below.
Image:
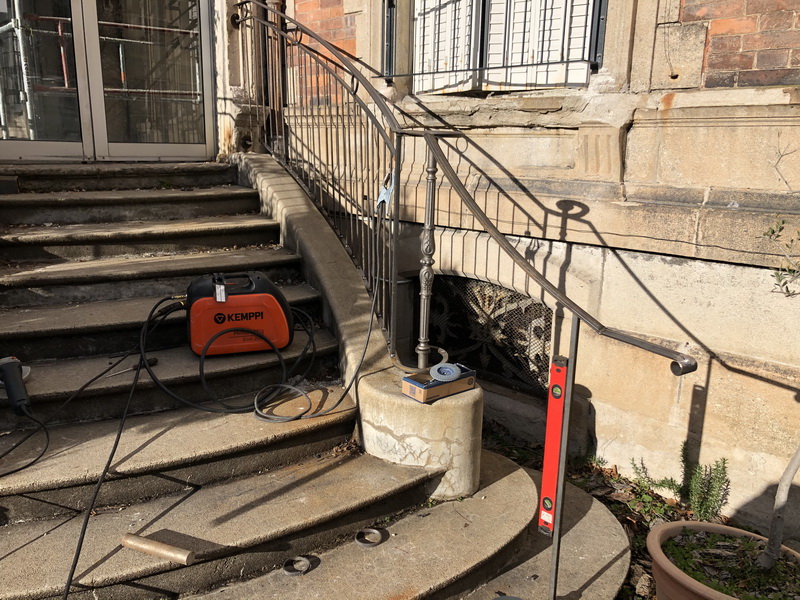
[422, 388]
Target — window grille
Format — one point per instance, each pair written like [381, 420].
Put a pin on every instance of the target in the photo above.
[502, 334]
[505, 45]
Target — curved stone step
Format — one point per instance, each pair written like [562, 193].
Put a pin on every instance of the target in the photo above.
[105, 327]
[110, 278]
[83, 242]
[104, 176]
[162, 454]
[52, 383]
[125, 205]
[449, 550]
[594, 560]
[431, 553]
[235, 528]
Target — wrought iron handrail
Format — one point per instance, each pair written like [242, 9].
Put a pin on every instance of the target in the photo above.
[334, 132]
[371, 208]
[681, 363]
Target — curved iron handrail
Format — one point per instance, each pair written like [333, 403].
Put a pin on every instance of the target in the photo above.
[379, 100]
[681, 363]
[352, 89]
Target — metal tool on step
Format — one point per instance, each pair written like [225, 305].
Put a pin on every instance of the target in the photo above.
[26, 372]
[13, 378]
[150, 361]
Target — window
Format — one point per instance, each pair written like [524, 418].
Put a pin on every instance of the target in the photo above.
[505, 45]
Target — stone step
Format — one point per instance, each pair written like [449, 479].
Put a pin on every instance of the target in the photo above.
[114, 278]
[126, 205]
[52, 383]
[235, 528]
[83, 242]
[105, 176]
[436, 552]
[161, 454]
[105, 327]
[595, 555]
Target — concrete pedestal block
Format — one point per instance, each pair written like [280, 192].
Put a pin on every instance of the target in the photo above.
[445, 434]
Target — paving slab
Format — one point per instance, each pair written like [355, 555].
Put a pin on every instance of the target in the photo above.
[120, 269]
[77, 452]
[71, 318]
[594, 556]
[119, 206]
[214, 522]
[422, 555]
[426, 554]
[115, 197]
[132, 230]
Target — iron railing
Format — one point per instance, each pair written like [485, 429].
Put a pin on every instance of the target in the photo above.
[321, 118]
[324, 121]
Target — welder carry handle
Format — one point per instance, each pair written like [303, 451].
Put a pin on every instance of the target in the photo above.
[238, 282]
[174, 554]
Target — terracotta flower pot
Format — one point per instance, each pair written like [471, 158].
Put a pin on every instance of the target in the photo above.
[674, 584]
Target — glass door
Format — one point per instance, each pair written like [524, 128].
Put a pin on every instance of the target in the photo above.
[105, 80]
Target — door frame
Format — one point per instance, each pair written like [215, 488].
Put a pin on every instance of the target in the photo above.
[91, 104]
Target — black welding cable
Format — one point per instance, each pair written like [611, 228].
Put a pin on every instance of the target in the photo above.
[41, 424]
[269, 397]
[266, 397]
[42, 427]
[103, 474]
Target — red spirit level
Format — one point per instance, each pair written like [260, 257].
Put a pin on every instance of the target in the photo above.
[239, 300]
[552, 445]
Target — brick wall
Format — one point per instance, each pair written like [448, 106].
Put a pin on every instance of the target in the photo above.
[750, 42]
[327, 18]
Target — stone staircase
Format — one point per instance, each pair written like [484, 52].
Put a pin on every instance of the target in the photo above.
[86, 252]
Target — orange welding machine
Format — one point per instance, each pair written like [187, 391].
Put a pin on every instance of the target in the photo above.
[237, 301]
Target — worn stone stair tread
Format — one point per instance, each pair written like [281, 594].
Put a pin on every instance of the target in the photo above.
[109, 170]
[118, 269]
[164, 440]
[219, 520]
[104, 314]
[54, 381]
[424, 553]
[116, 197]
[595, 555]
[133, 230]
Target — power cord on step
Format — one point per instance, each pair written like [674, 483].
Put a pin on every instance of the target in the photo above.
[161, 315]
[100, 481]
[46, 445]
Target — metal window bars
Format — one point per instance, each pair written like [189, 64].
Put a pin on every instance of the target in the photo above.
[503, 45]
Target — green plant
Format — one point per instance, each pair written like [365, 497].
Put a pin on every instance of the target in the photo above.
[787, 274]
[709, 488]
[643, 480]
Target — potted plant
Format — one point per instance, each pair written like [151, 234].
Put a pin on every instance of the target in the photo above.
[726, 559]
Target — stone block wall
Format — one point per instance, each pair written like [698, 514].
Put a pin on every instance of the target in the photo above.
[750, 42]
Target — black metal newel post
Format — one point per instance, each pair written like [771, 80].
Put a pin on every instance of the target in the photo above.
[427, 247]
[562, 463]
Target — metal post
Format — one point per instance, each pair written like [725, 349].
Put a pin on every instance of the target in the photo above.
[562, 464]
[427, 248]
